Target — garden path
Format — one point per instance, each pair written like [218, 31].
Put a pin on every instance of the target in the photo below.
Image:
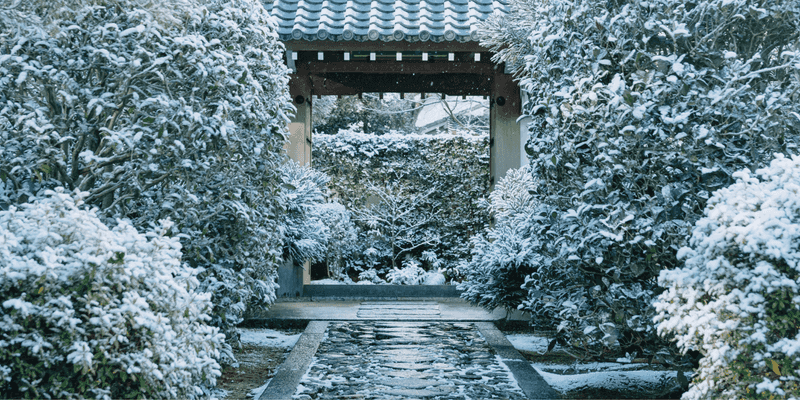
[420, 349]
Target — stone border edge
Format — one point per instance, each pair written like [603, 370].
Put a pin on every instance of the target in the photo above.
[284, 383]
[531, 383]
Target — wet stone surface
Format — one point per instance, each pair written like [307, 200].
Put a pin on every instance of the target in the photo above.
[406, 360]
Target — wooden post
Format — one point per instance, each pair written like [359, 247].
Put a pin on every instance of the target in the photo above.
[299, 146]
[292, 277]
[504, 132]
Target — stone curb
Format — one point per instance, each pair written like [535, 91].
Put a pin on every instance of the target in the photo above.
[531, 383]
[380, 291]
[284, 383]
[320, 299]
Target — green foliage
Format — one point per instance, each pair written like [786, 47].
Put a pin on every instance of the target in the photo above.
[413, 192]
[736, 299]
[640, 110]
[158, 109]
[91, 312]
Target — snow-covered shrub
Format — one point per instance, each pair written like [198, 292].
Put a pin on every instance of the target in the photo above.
[93, 312]
[399, 222]
[304, 232]
[314, 226]
[343, 246]
[452, 170]
[640, 110]
[737, 298]
[410, 274]
[158, 109]
[505, 254]
[370, 275]
[433, 278]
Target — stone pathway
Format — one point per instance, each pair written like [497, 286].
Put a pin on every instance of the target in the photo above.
[379, 310]
[387, 350]
[405, 360]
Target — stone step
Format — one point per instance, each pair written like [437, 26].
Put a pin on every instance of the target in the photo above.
[343, 292]
[293, 312]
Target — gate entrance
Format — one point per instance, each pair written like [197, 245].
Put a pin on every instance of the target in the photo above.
[351, 47]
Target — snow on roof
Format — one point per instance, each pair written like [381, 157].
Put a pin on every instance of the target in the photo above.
[386, 20]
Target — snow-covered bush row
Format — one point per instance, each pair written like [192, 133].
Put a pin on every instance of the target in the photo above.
[157, 109]
[410, 194]
[640, 109]
[93, 312]
[737, 298]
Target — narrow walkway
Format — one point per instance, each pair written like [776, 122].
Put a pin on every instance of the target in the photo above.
[393, 350]
[401, 360]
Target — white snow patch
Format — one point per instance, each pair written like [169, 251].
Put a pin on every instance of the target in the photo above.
[257, 392]
[530, 342]
[433, 278]
[610, 380]
[329, 281]
[268, 338]
[217, 393]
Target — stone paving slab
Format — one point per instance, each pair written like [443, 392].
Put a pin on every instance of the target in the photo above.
[386, 350]
[448, 310]
[442, 360]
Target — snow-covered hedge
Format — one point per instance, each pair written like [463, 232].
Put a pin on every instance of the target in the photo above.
[506, 253]
[93, 312]
[737, 299]
[158, 109]
[640, 110]
[409, 193]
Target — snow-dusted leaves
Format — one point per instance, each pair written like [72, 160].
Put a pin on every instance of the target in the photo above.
[156, 109]
[640, 110]
[423, 193]
[737, 299]
[93, 312]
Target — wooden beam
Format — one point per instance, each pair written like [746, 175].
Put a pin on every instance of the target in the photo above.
[329, 45]
[357, 82]
[392, 67]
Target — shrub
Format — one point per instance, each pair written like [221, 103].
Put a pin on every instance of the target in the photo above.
[408, 193]
[506, 253]
[410, 274]
[342, 240]
[89, 311]
[736, 300]
[172, 109]
[640, 110]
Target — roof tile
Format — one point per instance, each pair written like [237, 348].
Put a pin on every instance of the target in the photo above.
[387, 20]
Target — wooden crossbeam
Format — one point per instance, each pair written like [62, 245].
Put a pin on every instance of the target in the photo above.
[350, 83]
[392, 67]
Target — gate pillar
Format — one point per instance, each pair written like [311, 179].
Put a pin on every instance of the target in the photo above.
[504, 131]
[292, 276]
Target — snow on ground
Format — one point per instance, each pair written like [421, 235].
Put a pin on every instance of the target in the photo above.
[257, 392]
[585, 367]
[576, 377]
[610, 380]
[330, 281]
[217, 393]
[268, 338]
[530, 342]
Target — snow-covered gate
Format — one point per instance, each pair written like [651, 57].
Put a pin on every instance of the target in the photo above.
[350, 47]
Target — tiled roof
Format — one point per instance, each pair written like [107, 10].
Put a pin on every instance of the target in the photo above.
[387, 20]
